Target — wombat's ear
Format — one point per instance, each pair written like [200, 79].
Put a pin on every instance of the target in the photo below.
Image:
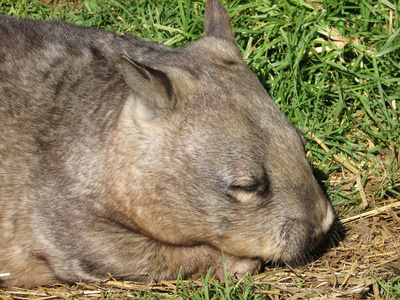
[217, 22]
[150, 86]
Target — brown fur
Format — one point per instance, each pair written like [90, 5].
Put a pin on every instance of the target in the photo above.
[124, 157]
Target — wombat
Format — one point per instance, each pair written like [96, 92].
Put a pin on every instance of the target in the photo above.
[128, 158]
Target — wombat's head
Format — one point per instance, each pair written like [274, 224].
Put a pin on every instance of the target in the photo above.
[207, 157]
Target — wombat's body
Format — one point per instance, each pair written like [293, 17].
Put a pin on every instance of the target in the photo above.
[123, 157]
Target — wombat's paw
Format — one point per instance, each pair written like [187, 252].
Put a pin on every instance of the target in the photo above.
[238, 267]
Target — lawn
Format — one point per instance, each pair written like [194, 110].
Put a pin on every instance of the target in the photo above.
[333, 68]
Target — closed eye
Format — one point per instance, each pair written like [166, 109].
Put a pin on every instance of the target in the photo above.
[247, 194]
[247, 188]
[261, 187]
[252, 184]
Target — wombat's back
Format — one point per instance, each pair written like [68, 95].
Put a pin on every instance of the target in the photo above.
[45, 71]
[53, 76]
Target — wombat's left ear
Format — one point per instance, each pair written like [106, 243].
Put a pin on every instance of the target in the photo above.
[217, 22]
[151, 87]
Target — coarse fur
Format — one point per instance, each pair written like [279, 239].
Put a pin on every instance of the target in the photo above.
[124, 157]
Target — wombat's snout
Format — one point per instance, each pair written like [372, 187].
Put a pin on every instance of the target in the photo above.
[299, 238]
[319, 229]
[301, 231]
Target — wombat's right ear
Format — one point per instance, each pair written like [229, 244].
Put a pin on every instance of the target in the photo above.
[150, 86]
[217, 22]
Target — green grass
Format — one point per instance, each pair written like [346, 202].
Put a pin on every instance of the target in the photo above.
[211, 289]
[390, 289]
[333, 68]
